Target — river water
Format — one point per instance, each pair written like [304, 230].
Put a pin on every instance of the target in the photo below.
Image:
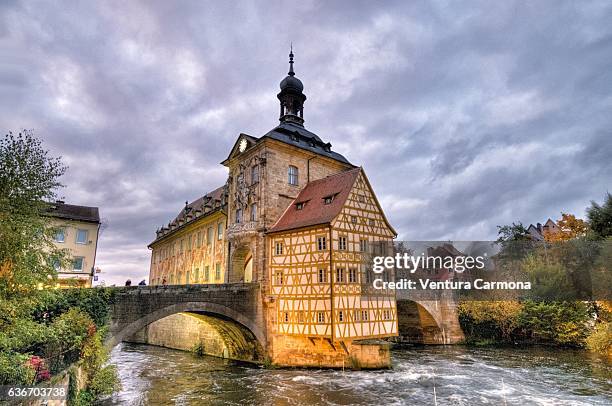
[458, 376]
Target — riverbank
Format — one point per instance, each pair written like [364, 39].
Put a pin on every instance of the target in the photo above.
[461, 376]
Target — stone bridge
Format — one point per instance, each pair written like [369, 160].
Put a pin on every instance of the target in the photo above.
[231, 311]
[428, 317]
[227, 320]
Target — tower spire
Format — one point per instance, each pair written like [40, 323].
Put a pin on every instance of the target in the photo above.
[291, 97]
[291, 72]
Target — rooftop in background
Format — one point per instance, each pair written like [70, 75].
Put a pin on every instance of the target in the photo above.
[314, 208]
[59, 209]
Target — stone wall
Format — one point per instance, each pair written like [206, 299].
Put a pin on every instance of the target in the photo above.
[297, 351]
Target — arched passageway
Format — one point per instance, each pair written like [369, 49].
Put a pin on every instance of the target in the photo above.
[241, 265]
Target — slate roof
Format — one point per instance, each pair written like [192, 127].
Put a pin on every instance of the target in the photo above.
[298, 136]
[315, 211]
[65, 211]
[209, 203]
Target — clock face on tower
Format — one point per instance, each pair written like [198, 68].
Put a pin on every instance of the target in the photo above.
[242, 146]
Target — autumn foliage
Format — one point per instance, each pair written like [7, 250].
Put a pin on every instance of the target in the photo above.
[570, 227]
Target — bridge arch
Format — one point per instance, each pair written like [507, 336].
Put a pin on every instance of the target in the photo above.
[120, 334]
[420, 322]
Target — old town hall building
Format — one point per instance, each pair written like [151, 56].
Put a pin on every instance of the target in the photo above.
[299, 219]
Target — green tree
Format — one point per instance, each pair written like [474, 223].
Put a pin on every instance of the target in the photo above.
[513, 232]
[600, 217]
[29, 177]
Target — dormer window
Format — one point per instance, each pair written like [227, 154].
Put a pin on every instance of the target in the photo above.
[300, 205]
[328, 199]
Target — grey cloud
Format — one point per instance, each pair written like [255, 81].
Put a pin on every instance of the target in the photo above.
[464, 117]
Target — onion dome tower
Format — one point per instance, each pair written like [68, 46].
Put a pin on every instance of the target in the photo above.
[291, 97]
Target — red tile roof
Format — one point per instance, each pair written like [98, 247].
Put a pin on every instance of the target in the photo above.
[315, 211]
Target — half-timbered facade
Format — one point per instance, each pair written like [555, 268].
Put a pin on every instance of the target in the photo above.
[319, 263]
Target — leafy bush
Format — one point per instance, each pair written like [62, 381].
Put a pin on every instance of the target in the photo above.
[69, 331]
[561, 323]
[14, 369]
[553, 323]
[24, 336]
[495, 320]
[601, 339]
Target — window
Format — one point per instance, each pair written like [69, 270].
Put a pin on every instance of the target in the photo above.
[238, 215]
[196, 275]
[321, 243]
[81, 236]
[189, 243]
[217, 271]
[56, 264]
[352, 275]
[293, 175]
[279, 277]
[372, 222]
[322, 276]
[255, 174]
[340, 315]
[286, 317]
[342, 243]
[354, 219]
[339, 274]
[361, 198]
[220, 231]
[364, 315]
[320, 317]
[279, 248]
[368, 276]
[363, 245]
[187, 278]
[301, 316]
[254, 212]
[60, 235]
[300, 206]
[181, 246]
[199, 239]
[206, 273]
[356, 315]
[328, 199]
[77, 264]
[386, 314]
[209, 236]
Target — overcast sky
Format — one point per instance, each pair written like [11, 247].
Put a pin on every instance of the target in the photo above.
[465, 116]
